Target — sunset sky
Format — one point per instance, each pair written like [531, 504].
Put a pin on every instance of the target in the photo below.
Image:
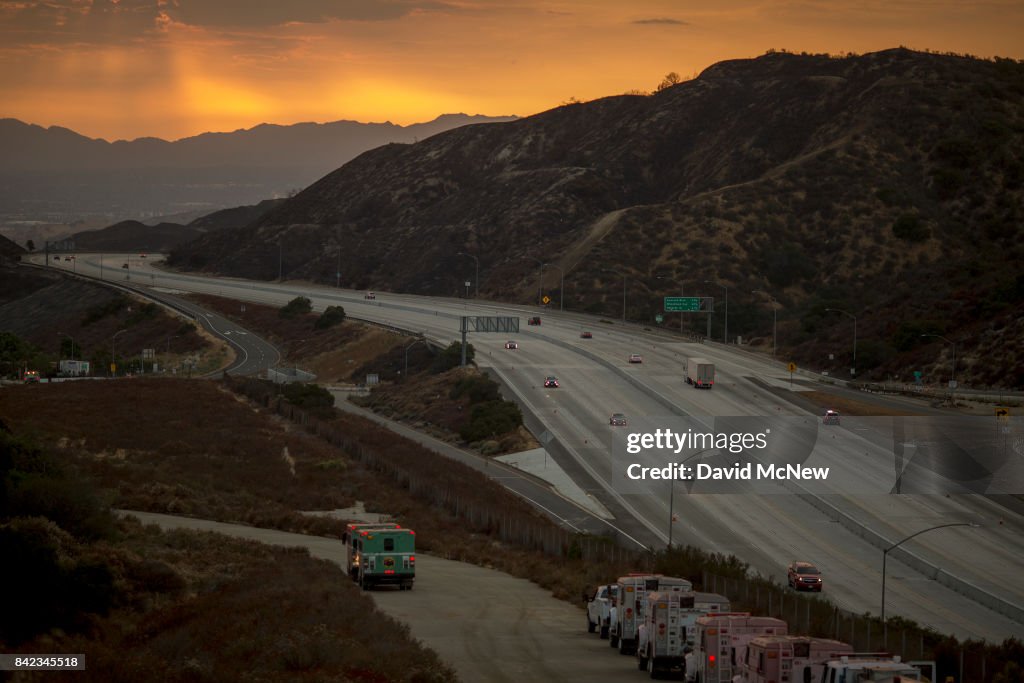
[173, 68]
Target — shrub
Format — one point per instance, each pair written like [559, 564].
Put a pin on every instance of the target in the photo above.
[909, 227]
[490, 419]
[333, 315]
[451, 357]
[300, 305]
[479, 388]
[308, 395]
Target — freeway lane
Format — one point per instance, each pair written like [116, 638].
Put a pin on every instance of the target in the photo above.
[766, 531]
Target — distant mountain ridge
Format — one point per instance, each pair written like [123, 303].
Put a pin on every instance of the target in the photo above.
[56, 175]
[31, 147]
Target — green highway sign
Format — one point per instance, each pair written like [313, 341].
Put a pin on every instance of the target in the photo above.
[677, 304]
[659, 318]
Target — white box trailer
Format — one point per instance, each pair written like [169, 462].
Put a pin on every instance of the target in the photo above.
[799, 659]
[722, 639]
[73, 368]
[700, 372]
[628, 612]
[661, 638]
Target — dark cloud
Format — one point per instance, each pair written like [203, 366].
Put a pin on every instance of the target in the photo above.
[68, 21]
[665, 21]
[259, 13]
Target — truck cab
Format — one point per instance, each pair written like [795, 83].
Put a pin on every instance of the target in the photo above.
[599, 609]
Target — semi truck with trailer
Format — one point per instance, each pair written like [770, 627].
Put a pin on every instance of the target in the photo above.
[700, 372]
[798, 659]
[599, 609]
[628, 613]
[385, 557]
[721, 642]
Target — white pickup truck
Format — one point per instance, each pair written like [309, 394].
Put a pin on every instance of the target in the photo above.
[599, 609]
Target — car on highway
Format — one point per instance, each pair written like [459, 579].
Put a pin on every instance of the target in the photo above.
[804, 576]
[56, 258]
[68, 258]
[369, 295]
[636, 358]
[511, 345]
[618, 420]
[551, 382]
[831, 417]
[535, 320]
[586, 335]
[124, 265]
[142, 256]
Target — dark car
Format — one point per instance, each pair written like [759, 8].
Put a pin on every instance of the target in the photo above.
[586, 335]
[56, 258]
[535, 320]
[511, 345]
[804, 576]
[618, 420]
[124, 265]
[551, 383]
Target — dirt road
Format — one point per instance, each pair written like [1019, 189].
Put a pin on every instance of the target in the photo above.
[490, 626]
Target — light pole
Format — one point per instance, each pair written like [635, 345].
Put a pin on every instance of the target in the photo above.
[775, 317]
[280, 262]
[950, 341]
[476, 261]
[418, 341]
[101, 266]
[885, 555]
[725, 330]
[682, 293]
[113, 363]
[617, 272]
[540, 279]
[839, 310]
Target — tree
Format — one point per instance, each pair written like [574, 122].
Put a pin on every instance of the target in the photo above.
[332, 316]
[671, 78]
[300, 305]
[30, 245]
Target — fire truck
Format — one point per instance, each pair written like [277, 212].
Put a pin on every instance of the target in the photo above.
[792, 659]
[721, 643]
[384, 557]
[348, 537]
[628, 613]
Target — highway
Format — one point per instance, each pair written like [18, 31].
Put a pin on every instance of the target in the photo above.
[839, 528]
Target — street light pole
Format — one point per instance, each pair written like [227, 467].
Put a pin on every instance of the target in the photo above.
[540, 280]
[885, 554]
[950, 341]
[725, 330]
[839, 310]
[476, 261]
[775, 317]
[280, 262]
[113, 363]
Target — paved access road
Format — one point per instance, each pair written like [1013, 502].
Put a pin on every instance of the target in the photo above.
[487, 624]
